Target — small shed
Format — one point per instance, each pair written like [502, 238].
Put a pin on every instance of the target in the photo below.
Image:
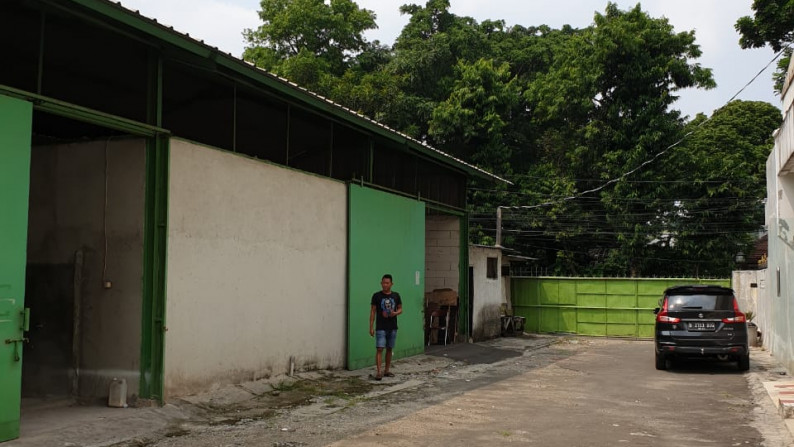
[489, 295]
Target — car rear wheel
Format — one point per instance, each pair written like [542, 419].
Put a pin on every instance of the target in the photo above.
[744, 362]
[661, 362]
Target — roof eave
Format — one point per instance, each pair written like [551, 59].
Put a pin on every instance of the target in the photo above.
[184, 42]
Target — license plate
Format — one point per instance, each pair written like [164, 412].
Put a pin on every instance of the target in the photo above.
[702, 326]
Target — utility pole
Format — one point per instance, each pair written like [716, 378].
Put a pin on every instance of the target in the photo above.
[498, 226]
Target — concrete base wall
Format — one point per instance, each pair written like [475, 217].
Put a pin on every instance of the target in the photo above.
[85, 229]
[747, 284]
[256, 270]
[488, 295]
[442, 253]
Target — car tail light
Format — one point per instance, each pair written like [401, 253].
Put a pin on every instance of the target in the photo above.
[662, 316]
[738, 316]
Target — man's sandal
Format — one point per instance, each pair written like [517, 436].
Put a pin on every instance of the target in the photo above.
[388, 374]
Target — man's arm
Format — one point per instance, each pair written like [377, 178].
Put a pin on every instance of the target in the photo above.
[372, 311]
[399, 307]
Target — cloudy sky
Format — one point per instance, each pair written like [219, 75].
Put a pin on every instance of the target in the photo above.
[220, 23]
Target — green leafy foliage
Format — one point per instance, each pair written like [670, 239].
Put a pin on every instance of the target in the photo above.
[772, 24]
[305, 40]
[604, 106]
[609, 178]
[720, 184]
[473, 119]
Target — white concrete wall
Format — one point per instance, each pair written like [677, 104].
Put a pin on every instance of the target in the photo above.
[776, 306]
[742, 283]
[763, 314]
[488, 294]
[776, 310]
[442, 253]
[785, 135]
[256, 270]
[89, 197]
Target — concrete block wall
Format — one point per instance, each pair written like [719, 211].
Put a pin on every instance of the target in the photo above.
[442, 252]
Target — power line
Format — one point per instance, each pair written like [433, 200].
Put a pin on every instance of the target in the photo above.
[655, 156]
[654, 214]
[779, 53]
[617, 233]
[677, 259]
[535, 195]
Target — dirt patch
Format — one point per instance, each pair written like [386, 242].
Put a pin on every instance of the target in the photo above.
[326, 388]
[320, 407]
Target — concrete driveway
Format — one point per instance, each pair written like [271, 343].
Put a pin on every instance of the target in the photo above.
[605, 395]
[534, 390]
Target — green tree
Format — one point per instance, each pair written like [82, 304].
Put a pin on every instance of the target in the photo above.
[368, 85]
[472, 120]
[308, 40]
[772, 24]
[719, 176]
[426, 54]
[605, 107]
[582, 120]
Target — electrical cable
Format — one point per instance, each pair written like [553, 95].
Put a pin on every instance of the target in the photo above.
[593, 228]
[655, 156]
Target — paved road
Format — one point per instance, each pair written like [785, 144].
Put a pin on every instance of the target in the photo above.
[532, 390]
[606, 395]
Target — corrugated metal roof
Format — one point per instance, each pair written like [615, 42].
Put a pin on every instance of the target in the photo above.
[357, 117]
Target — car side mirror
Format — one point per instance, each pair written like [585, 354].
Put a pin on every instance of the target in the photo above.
[656, 311]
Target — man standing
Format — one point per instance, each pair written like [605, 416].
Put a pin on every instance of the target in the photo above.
[384, 308]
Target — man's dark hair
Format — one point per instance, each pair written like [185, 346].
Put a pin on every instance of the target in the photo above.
[388, 276]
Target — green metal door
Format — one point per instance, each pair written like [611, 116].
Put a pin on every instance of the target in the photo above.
[15, 130]
[386, 235]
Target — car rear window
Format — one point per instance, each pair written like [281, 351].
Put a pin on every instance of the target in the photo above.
[699, 302]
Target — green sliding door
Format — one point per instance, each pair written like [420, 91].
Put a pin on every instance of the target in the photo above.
[15, 131]
[386, 235]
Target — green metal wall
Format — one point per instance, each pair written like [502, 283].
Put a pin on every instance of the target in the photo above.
[593, 306]
[386, 234]
[15, 132]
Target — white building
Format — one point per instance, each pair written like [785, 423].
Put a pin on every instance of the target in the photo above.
[776, 300]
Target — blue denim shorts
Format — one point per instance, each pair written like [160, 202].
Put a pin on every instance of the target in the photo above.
[385, 339]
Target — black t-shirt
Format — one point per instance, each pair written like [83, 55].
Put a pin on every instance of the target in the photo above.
[382, 303]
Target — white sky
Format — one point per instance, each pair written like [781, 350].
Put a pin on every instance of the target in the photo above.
[220, 23]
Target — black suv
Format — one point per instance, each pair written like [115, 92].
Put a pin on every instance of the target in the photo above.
[700, 321]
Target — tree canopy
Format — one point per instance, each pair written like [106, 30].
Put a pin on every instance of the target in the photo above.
[304, 39]
[609, 178]
[772, 24]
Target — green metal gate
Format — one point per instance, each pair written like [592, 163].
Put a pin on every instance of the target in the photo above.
[619, 307]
